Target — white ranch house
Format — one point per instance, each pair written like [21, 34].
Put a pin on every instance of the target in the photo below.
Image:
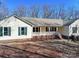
[20, 28]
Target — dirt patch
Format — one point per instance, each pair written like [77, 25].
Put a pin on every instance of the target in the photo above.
[40, 49]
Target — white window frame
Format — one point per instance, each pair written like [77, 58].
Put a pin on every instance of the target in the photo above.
[73, 30]
[9, 32]
[36, 29]
[19, 31]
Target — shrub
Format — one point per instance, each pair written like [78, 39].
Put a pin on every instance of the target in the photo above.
[73, 38]
[77, 38]
[65, 36]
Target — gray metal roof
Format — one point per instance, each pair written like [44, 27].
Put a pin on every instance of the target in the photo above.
[42, 22]
[68, 22]
[48, 22]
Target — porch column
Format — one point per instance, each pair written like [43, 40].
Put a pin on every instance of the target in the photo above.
[49, 29]
[40, 29]
[56, 28]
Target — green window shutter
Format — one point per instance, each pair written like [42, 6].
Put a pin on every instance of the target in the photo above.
[19, 31]
[25, 31]
[1, 31]
[9, 31]
[22, 31]
[47, 29]
[5, 31]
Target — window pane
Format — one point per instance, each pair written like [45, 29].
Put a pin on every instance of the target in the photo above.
[47, 29]
[74, 29]
[52, 28]
[37, 29]
[33, 29]
[5, 31]
[25, 30]
[22, 31]
[1, 30]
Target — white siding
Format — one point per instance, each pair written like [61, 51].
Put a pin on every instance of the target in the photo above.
[14, 23]
[75, 24]
[43, 33]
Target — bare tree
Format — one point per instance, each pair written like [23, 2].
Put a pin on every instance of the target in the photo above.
[3, 10]
[71, 13]
[76, 14]
[20, 11]
[61, 12]
[34, 11]
[54, 12]
[47, 11]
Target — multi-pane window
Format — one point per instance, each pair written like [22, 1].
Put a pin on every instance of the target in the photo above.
[5, 31]
[74, 29]
[52, 28]
[47, 29]
[36, 29]
[22, 30]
